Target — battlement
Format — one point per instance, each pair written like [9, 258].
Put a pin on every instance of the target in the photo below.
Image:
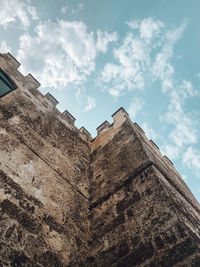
[103, 126]
[11, 60]
[31, 81]
[121, 112]
[168, 160]
[119, 116]
[85, 133]
[154, 144]
[28, 85]
[139, 128]
[68, 116]
[116, 198]
[106, 131]
[51, 99]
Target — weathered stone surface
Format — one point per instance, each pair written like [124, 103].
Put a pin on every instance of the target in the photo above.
[143, 189]
[67, 200]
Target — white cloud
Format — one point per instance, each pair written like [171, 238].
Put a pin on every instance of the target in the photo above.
[162, 69]
[171, 150]
[91, 103]
[32, 11]
[147, 27]
[79, 7]
[104, 38]
[191, 158]
[4, 48]
[184, 129]
[78, 96]
[144, 56]
[64, 9]
[16, 10]
[136, 105]
[128, 73]
[184, 133]
[184, 176]
[187, 89]
[114, 92]
[60, 53]
[149, 132]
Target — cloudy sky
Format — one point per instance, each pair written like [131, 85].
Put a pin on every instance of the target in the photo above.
[96, 56]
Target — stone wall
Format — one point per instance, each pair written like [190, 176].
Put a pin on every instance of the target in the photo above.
[44, 185]
[67, 200]
[142, 213]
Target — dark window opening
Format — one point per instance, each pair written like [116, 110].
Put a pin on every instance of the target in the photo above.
[6, 85]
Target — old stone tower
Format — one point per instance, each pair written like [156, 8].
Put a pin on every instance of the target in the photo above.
[67, 200]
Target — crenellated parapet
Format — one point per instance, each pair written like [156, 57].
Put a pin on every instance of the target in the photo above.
[139, 128]
[119, 114]
[68, 116]
[118, 117]
[115, 197]
[31, 81]
[51, 99]
[28, 86]
[105, 125]
[12, 61]
[85, 134]
[168, 160]
[106, 131]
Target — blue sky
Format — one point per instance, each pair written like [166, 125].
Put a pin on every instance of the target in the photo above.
[96, 56]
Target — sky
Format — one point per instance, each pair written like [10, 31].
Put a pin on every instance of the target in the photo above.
[96, 56]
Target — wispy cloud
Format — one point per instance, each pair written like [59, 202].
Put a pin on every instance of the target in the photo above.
[91, 103]
[184, 130]
[143, 56]
[4, 48]
[149, 132]
[191, 158]
[79, 7]
[17, 11]
[64, 9]
[104, 38]
[183, 134]
[171, 150]
[62, 52]
[162, 69]
[148, 28]
[135, 106]
[127, 74]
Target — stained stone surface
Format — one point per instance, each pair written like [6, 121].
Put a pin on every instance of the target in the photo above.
[44, 184]
[142, 213]
[67, 200]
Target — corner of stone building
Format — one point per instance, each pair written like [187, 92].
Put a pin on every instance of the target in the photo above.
[114, 200]
[138, 206]
[27, 88]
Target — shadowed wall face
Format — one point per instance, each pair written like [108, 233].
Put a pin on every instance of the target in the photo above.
[137, 216]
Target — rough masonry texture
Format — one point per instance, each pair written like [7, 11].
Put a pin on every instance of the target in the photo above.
[68, 200]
